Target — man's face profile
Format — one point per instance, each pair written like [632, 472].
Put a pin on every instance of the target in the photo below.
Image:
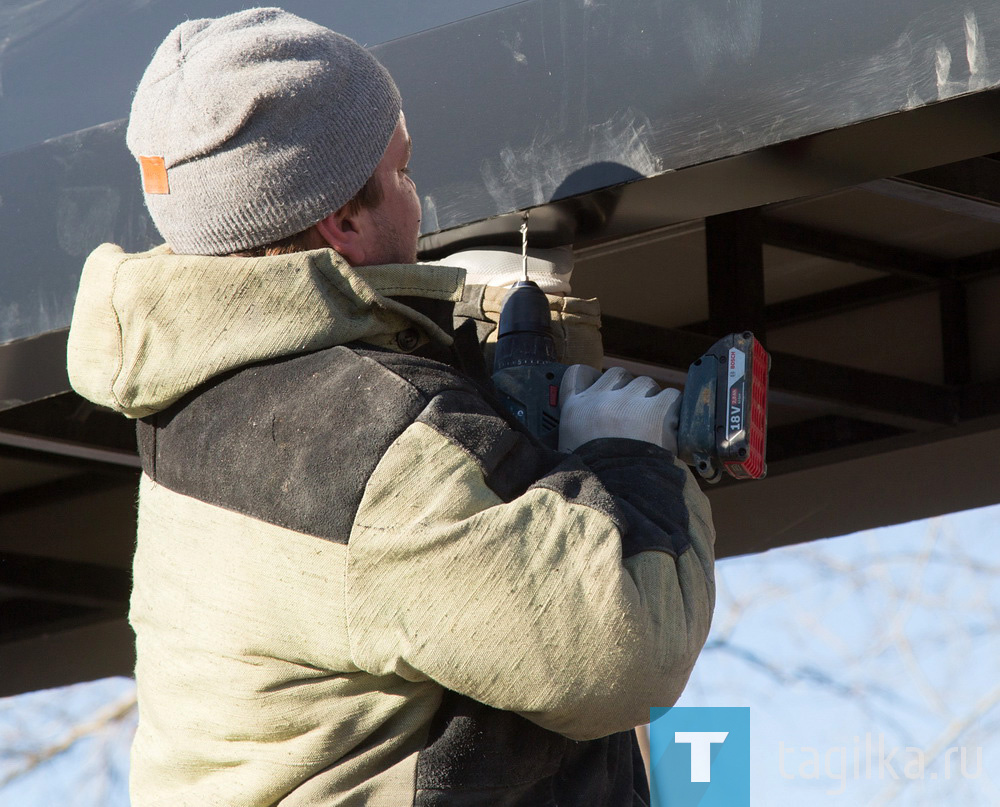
[388, 232]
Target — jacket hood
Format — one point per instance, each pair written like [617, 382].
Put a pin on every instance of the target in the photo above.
[150, 327]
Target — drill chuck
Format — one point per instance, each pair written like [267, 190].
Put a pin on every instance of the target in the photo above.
[526, 371]
[524, 334]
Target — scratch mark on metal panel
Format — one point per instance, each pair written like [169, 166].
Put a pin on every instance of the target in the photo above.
[724, 33]
[535, 175]
[975, 52]
[542, 38]
[514, 46]
[942, 69]
[913, 99]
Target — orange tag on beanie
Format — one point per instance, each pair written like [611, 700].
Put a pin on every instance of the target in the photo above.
[154, 175]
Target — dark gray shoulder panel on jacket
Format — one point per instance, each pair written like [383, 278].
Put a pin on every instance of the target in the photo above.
[478, 755]
[468, 414]
[648, 491]
[291, 442]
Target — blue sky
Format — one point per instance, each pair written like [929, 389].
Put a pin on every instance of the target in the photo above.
[888, 635]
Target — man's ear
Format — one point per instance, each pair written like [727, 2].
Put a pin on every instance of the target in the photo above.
[342, 231]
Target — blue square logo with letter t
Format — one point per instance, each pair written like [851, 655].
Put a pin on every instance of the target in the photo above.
[700, 756]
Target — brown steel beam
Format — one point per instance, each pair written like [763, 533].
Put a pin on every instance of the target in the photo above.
[832, 301]
[979, 400]
[859, 251]
[50, 493]
[735, 273]
[974, 267]
[956, 345]
[910, 273]
[71, 418]
[33, 368]
[71, 582]
[968, 188]
[873, 396]
[977, 179]
[67, 453]
[826, 432]
[841, 299]
[871, 292]
[97, 648]
[842, 390]
[33, 619]
[872, 484]
[925, 270]
[87, 585]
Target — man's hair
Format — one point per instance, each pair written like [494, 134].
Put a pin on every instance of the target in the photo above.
[370, 196]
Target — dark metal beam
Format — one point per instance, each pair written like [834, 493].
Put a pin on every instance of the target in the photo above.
[859, 487]
[968, 188]
[70, 418]
[977, 178]
[822, 433]
[932, 197]
[979, 399]
[841, 299]
[33, 368]
[956, 345]
[26, 619]
[48, 494]
[667, 347]
[974, 267]
[66, 454]
[848, 391]
[57, 658]
[59, 581]
[832, 301]
[869, 292]
[735, 273]
[872, 396]
[931, 273]
[861, 252]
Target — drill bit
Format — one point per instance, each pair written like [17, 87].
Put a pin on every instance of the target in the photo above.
[524, 244]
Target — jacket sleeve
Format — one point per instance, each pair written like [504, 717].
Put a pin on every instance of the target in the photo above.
[575, 590]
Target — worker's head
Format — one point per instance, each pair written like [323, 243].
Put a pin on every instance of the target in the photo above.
[261, 128]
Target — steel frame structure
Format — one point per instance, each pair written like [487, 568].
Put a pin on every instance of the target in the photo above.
[612, 124]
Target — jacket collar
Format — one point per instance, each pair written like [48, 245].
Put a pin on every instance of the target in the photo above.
[149, 328]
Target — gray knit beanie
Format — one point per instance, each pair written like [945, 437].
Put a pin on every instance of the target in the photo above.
[252, 127]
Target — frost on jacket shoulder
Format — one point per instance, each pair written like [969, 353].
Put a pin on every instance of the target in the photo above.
[356, 581]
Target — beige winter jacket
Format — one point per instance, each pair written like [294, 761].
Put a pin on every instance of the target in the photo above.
[357, 582]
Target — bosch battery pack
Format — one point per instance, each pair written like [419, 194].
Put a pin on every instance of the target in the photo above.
[723, 420]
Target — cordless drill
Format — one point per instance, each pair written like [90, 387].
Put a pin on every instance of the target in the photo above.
[723, 416]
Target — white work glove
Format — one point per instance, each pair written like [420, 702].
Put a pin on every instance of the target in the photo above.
[615, 404]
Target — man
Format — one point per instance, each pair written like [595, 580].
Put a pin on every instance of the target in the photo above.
[356, 580]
